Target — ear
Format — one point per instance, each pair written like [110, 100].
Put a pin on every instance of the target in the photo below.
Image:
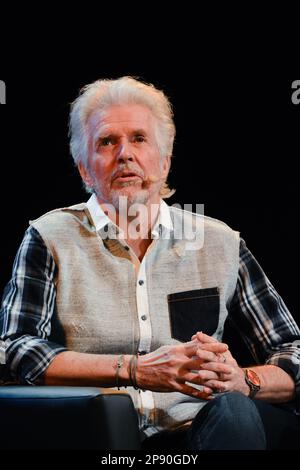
[166, 165]
[84, 173]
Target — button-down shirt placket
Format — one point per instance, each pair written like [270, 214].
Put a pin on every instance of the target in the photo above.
[100, 220]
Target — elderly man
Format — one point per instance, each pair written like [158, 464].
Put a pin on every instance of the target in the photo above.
[111, 293]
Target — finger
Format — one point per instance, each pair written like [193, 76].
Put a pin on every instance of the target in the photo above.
[230, 358]
[219, 367]
[204, 338]
[200, 357]
[214, 347]
[201, 375]
[204, 394]
[208, 375]
[226, 357]
[218, 386]
[190, 347]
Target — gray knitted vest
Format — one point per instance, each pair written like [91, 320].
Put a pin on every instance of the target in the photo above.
[189, 290]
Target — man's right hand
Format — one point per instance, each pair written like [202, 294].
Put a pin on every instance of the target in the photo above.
[168, 368]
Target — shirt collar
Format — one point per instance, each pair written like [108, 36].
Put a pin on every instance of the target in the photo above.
[100, 219]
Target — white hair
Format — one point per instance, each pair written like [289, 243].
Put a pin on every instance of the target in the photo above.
[101, 94]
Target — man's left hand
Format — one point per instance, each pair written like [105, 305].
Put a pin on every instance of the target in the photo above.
[224, 374]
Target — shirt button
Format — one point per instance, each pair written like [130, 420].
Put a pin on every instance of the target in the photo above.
[141, 282]
[143, 317]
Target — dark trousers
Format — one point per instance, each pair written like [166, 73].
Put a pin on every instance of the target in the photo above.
[234, 422]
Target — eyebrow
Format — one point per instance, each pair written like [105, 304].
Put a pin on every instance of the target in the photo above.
[104, 135]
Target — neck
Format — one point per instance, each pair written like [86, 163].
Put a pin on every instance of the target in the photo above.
[136, 221]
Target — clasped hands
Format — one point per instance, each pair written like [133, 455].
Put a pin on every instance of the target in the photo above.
[202, 361]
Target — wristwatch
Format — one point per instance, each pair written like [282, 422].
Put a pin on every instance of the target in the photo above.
[253, 382]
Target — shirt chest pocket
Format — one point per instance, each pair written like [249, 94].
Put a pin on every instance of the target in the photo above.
[192, 311]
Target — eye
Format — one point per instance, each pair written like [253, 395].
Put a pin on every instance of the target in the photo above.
[139, 138]
[105, 141]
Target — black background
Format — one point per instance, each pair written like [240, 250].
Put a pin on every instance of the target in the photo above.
[228, 73]
[236, 149]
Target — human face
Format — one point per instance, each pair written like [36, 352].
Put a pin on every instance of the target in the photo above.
[124, 158]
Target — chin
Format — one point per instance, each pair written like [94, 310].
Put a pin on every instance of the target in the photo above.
[133, 196]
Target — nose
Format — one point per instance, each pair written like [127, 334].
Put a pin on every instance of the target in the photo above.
[124, 153]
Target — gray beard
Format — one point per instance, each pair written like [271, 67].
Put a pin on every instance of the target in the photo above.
[141, 197]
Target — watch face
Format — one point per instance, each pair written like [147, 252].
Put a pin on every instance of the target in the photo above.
[253, 377]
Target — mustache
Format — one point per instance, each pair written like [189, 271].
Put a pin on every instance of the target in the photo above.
[132, 169]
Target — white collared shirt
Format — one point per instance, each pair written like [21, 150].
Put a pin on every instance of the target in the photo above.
[163, 221]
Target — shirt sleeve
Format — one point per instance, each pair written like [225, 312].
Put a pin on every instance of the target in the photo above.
[263, 319]
[28, 308]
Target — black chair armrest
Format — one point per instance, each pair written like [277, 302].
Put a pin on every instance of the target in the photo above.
[46, 417]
